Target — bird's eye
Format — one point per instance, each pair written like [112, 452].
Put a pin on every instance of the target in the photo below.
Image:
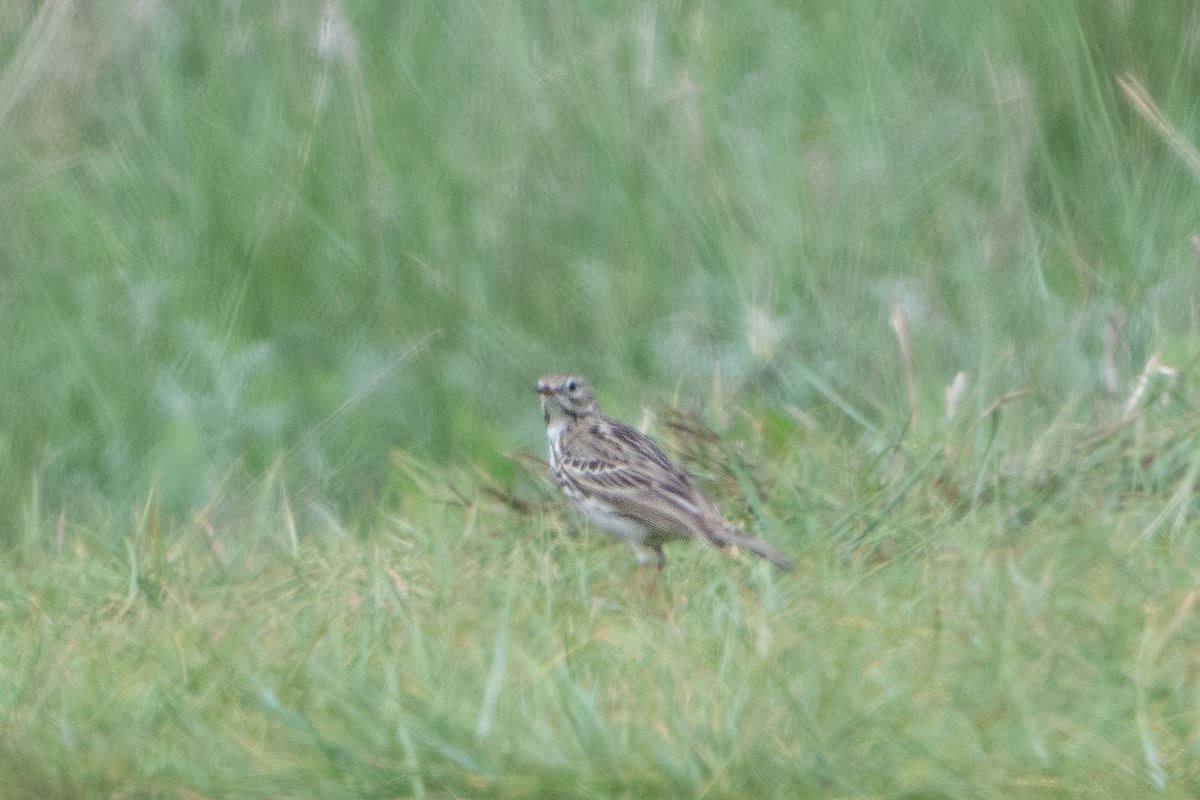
[572, 386]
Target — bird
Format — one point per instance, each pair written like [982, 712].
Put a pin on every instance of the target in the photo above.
[623, 482]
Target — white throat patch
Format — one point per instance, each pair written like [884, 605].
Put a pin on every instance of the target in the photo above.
[555, 427]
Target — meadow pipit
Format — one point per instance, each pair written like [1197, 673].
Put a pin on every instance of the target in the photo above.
[625, 484]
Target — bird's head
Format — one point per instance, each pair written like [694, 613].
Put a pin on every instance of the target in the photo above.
[565, 396]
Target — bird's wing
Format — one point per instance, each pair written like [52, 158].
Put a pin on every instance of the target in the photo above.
[625, 468]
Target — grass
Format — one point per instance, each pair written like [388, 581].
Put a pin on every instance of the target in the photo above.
[1034, 639]
[275, 284]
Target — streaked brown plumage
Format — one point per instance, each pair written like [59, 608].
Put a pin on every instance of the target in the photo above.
[625, 484]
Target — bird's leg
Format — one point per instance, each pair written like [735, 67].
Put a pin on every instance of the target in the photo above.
[647, 555]
[659, 562]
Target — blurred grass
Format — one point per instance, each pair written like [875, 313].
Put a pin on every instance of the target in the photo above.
[276, 281]
[223, 223]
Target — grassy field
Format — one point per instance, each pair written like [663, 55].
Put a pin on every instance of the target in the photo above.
[911, 288]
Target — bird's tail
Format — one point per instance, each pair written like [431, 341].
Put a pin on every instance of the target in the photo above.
[732, 535]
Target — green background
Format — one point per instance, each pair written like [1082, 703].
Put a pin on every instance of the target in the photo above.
[277, 281]
[233, 232]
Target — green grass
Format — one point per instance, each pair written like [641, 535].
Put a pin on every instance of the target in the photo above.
[275, 286]
[1037, 639]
